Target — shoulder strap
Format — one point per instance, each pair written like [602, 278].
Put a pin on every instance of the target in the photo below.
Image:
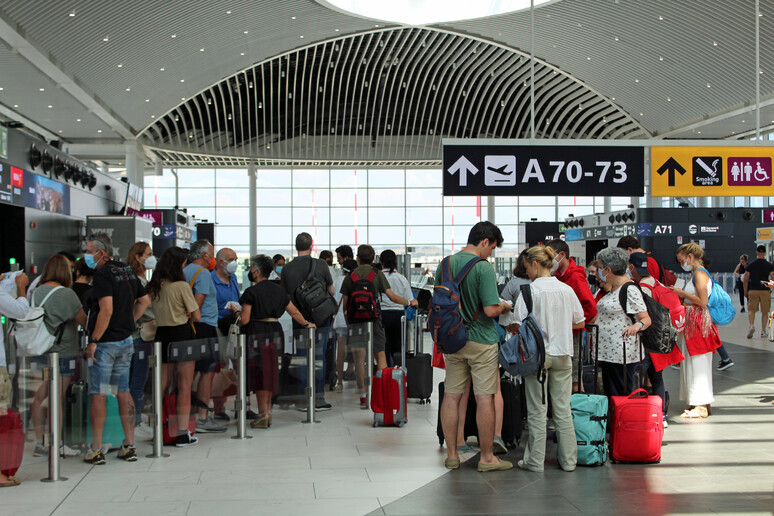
[371, 275]
[193, 280]
[458, 279]
[446, 269]
[623, 297]
[311, 268]
[47, 296]
[526, 293]
[354, 277]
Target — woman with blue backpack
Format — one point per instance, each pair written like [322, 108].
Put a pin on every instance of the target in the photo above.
[700, 339]
[557, 310]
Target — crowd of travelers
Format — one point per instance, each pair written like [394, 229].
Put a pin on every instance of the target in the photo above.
[193, 295]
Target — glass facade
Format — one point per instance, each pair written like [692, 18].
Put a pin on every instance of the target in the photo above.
[387, 208]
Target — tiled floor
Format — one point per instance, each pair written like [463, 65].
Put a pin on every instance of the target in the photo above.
[344, 466]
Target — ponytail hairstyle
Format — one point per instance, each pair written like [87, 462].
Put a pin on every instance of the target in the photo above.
[389, 260]
[695, 250]
[541, 254]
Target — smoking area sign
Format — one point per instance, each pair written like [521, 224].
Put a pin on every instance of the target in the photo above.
[711, 171]
[473, 167]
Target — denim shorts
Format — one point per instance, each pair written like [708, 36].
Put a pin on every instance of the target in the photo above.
[112, 362]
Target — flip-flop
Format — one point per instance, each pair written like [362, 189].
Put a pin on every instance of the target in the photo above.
[465, 448]
[11, 482]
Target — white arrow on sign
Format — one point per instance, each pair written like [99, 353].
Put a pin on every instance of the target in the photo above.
[463, 166]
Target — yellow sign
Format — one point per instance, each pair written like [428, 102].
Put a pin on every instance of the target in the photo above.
[711, 171]
[763, 234]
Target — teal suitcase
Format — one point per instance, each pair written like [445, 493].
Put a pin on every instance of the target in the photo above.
[589, 416]
[113, 432]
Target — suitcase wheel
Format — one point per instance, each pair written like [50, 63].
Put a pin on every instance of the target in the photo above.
[375, 425]
[400, 425]
[421, 402]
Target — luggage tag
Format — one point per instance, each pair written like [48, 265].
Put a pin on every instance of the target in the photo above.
[141, 354]
[11, 368]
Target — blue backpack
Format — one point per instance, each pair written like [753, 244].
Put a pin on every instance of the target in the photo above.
[524, 354]
[445, 319]
[720, 307]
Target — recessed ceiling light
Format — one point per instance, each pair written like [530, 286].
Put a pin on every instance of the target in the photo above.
[246, 32]
[147, 100]
[641, 114]
[153, 116]
[742, 121]
[335, 30]
[1, 89]
[182, 80]
[161, 69]
[128, 89]
[120, 65]
[228, 12]
[59, 131]
[616, 38]
[16, 105]
[201, 50]
[709, 85]
[77, 119]
[660, 58]
[50, 106]
[42, 89]
[301, 37]
[292, 17]
[636, 80]
[660, 18]
[106, 39]
[699, 132]
[182, 98]
[173, 36]
[377, 25]
[588, 59]
[241, 53]
[669, 99]
[72, 13]
[99, 130]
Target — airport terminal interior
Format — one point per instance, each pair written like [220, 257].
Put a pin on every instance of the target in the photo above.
[399, 125]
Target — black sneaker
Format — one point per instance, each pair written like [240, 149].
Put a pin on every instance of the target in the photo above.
[128, 453]
[322, 406]
[251, 415]
[186, 440]
[94, 457]
[725, 364]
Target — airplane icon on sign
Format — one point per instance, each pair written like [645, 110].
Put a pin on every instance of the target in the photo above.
[500, 170]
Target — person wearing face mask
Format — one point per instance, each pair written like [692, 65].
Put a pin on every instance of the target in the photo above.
[141, 260]
[700, 338]
[619, 341]
[227, 287]
[568, 272]
[279, 263]
[197, 274]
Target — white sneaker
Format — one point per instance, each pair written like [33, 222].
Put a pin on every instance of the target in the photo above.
[66, 451]
[143, 432]
[751, 332]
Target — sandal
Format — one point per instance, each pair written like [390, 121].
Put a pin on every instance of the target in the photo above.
[11, 482]
[695, 413]
[263, 421]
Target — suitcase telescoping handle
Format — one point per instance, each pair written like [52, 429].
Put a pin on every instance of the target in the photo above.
[592, 330]
[403, 332]
[626, 371]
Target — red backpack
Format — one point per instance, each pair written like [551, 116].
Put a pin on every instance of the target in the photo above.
[363, 302]
[671, 300]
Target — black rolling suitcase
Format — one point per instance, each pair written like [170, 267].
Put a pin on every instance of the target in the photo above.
[419, 365]
[513, 413]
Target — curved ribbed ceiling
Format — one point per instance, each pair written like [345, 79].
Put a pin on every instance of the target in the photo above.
[385, 96]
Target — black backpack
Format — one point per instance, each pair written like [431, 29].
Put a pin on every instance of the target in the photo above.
[316, 302]
[661, 335]
[363, 300]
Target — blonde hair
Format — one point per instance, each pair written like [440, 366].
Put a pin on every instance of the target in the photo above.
[744, 257]
[541, 254]
[692, 249]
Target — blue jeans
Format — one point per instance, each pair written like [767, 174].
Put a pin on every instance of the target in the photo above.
[111, 364]
[722, 352]
[319, 355]
[139, 375]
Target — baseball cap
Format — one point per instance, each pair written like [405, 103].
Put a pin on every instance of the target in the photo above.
[640, 262]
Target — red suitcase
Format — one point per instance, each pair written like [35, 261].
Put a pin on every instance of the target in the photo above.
[169, 418]
[389, 397]
[636, 427]
[11, 443]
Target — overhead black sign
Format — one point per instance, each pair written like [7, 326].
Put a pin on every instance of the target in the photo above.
[531, 170]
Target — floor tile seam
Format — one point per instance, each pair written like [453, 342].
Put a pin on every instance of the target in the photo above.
[88, 472]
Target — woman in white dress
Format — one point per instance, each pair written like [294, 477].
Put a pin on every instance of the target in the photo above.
[700, 339]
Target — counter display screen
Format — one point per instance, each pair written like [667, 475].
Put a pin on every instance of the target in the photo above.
[11, 184]
[46, 194]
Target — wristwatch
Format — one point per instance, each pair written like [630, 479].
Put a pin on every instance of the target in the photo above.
[642, 324]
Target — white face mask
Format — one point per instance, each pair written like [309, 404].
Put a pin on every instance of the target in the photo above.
[555, 266]
[150, 263]
[629, 274]
[231, 267]
[687, 267]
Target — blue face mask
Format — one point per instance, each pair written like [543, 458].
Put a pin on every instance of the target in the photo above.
[279, 269]
[90, 262]
[602, 276]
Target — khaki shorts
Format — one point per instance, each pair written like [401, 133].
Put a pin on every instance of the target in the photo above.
[477, 361]
[760, 298]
